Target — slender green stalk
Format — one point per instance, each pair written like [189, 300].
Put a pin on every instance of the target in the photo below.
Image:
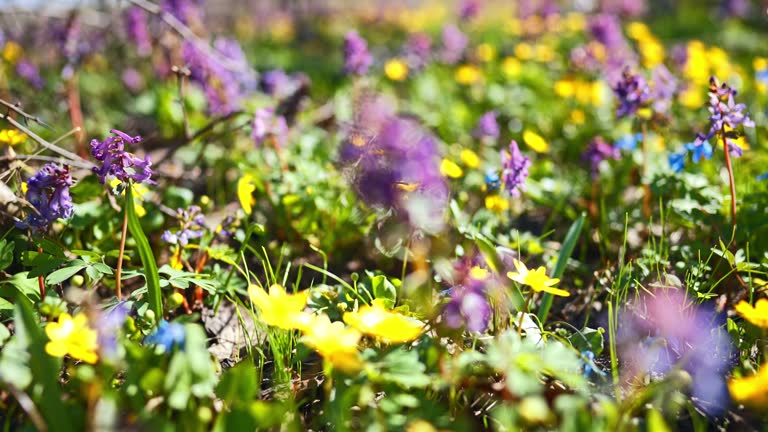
[147, 257]
[731, 181]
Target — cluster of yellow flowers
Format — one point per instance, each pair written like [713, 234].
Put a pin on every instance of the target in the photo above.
[651, 50]
[451, 169]
[334, 341]
[12, 137]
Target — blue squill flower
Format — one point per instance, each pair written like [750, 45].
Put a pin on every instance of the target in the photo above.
[588, 357]
[677, 161]
[704, 150]
[168, 335]
[628, 142]
[762, 177]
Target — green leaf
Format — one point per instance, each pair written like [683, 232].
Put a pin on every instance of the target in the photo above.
[65, 273]
[6, 253]
[384, 290]
[488, 251]
[238, 384]
[588, 339]
[562, 259]
[147, 257]
[25, 285]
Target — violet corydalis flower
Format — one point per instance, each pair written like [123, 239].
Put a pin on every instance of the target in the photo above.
[191, 226]
[119, 163]
[418, 50]
[357, 59]
[487, 126]
[454, 44]
[468, 307]
[725, 116]
[514, 169]
[137, 27]
[597, 152]
[267, 125]
[48, 192]
[632, 93]
[30, 72]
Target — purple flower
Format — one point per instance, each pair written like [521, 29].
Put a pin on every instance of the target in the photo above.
[267, 125]
[667, 331]
[469, 9]
[119, 163]
[625, 8]
[514, 169]
[454, 44]
[48, 192]
[187, 11]
[132, 79]
[487, 126]
[418, 50]
[137, 27]
[357, 59]
[632, 93]
[725, 114]
[663, 89]
[606, 29]
[227, 227]
[191, 226]
[735, 8]
[598, 151]
[279, 84]
[469, 307]
[30, 73]
[108, 326]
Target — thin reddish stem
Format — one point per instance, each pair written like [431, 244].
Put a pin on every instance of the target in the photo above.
[730, 178]
[118, 289]
[40, 279]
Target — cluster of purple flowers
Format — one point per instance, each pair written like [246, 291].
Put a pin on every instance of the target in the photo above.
[469, 9]
[725, 116]
[191, 226]
[119, 163]
[48, 192]
[137, 29]
[357, 58]
[514, 169]
[598, 151]
[487, 126]
[30, 73]
[278, 84]
[267, 125]
[468, 306]
[454, 44]
[186, 11]
[606, 30]
[663, 88]
[667, 331]
[528, 8]
[418, 50]
[394, 164]
[632, 92]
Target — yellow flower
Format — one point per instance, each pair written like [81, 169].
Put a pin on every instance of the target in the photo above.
[760, 64]
[511, 67]
[334, 342]
[578, 117]
[467, 74]
[535, 141]
[691, 97]
[652, 52]
[139, 191]
[245, 188]
[12, 51]
[478, 273]
[638, 30]
[575, 22]
[565, 88]
[544, 53]
[72, 336]
[757, 315]
[396, 69]
[12, 137]
[24, 188]
[752, 390]
[280, 309]
[450, 169]
[523, 51]
[486, 52]
[384, 324]
[496, 203]
[470, 158]
[536, 279]
[176, 263]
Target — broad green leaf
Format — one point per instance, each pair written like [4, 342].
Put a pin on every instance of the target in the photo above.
[65, 273]
[571, 237]
[384, 290]
[6, 253]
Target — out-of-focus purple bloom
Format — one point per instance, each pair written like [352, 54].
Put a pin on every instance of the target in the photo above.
[628, 142]
[625, 8]
[108, 326]
[267, 125]
[663, 88]
[168, 335]
[119, 163]
[137, 27]
[677, 161]
[393, 162]
[666, 331]
[487, 126]
[132, 79]
[725, 113]
[528, 8]
[279, 84]
[703, 150]
[191, 226]
[632, 92]
[514, 169]
[469, 307]
[606, 29]
[418, 49]
[454, 44]
[469, 9]
[48, 192]
[30, 73]
[227, 227]
[186, 11]
[735, 8]
[73, 43]
[357, 58]
[597, 152]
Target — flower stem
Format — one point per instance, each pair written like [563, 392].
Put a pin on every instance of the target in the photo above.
[41, 279]
[729, 166]
[524, 311]
[120, 256]
[646, 186]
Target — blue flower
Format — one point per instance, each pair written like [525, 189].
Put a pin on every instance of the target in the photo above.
[628, 142]
[588, 357]
[699, 150]
[492, 180]
[677, 161]
[762, 177]
[168, 335]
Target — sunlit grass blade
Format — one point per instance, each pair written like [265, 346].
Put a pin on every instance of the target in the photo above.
[562, 259]
[147, 257]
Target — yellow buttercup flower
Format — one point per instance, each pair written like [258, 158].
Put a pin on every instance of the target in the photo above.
[396, 69]
[384, 324]
[478, 273]
[449, 168]
[72, 336]
[280, 309]
[757, 315]
[334, 342]
[638, 30]
[12, 51]
[245, 188]
[486, 52]
[751, 390]
[691, 97]
[536, 279]
[565, 88]
[12, 137]
[496, 203]
[523, 51]
[511, 67]
[470, 158]
[467, 74]
[578, 117]
[535, 141]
